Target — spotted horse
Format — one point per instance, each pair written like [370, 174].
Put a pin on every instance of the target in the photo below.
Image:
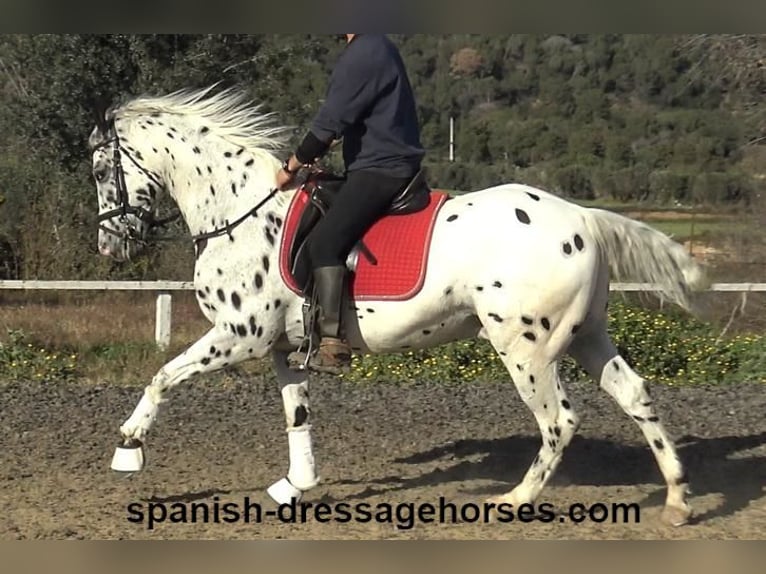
[512, 264]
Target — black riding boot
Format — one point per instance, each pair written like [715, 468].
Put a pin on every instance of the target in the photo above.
[334, 353]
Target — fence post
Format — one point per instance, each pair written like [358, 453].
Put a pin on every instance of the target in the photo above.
[162, 324]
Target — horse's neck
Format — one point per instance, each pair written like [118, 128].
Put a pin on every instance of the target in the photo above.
[221, 183]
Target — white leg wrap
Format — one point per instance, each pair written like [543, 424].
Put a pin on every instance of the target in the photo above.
[302, 472]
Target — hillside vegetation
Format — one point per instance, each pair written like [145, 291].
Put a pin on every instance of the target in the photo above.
[632, 118]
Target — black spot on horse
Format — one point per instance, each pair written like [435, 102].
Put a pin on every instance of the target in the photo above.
[557, 431]
[522, 216]
[369, 310]
[659, 444]
[533, 196]
[227, 154]
[241, 330]
[452, 218]
[205, 360]
[300, 415]
[567, 248]
[227, 353]
[497, 284]
[479, 288]
[545, 323]
[532, 379]
[519, 367]
[653, 419]
[170, 135]
[448, 291]
[258, 281]
[253, 326]
[527, 320]
[579, 243]
[236, 300]
[212, 350]
[259, 333]
[277, 303]
[201, 294]
[638, 419]
[249, 162]
[426, 332]
[221, 296]
[565, 404]
[575, 328]
[530, 336]
[219, 271]
[196, 149]
[616, 365]
[269, 236]
[496, 317]
[234, 188]
[265, 263]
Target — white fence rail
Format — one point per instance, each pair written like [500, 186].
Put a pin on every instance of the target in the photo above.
[164, 288]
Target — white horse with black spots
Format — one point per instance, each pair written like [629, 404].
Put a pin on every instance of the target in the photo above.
[515, 265]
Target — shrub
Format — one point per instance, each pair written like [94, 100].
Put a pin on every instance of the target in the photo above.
[21, 360]
[664, 347]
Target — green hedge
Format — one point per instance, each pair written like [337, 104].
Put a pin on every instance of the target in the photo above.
[666, 347]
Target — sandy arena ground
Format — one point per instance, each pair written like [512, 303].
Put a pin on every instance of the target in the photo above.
[384, 443]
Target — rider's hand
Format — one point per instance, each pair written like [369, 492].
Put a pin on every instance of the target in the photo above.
[286, 175]
[284, 179]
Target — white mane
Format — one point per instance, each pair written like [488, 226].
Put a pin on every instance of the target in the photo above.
[229, 113]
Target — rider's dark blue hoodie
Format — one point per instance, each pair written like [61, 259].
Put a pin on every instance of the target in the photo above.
[371, 105]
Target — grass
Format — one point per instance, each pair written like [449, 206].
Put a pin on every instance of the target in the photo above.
[111, 334]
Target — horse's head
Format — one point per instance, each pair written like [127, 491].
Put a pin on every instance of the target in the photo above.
[127, 190]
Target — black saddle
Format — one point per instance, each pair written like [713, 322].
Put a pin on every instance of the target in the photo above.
[323, 188]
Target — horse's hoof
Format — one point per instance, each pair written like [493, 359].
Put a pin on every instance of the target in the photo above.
[283, 492]
[675, 516]
[128, 457]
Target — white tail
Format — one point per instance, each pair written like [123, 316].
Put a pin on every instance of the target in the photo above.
[637, 252]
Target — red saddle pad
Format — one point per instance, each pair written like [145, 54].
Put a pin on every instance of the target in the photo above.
[399, 243]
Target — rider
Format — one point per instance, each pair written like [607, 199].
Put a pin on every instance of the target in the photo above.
[370, 104]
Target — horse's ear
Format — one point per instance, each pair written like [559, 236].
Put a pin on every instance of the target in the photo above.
[99, 108]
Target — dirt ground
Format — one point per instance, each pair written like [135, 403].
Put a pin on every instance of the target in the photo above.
[413, 443]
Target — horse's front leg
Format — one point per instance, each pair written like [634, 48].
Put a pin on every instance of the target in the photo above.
[215, 350]
[301, 474]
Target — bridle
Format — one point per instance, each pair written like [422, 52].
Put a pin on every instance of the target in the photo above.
[143, 214]
[125, 208]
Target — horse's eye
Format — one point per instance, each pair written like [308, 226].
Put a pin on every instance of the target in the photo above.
[100, 174]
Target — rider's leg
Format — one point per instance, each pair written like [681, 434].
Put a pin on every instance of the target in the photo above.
[363, 199]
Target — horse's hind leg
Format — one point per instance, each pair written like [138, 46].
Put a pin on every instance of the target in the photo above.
[596, 353]
[537, 381]
[301, 475]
